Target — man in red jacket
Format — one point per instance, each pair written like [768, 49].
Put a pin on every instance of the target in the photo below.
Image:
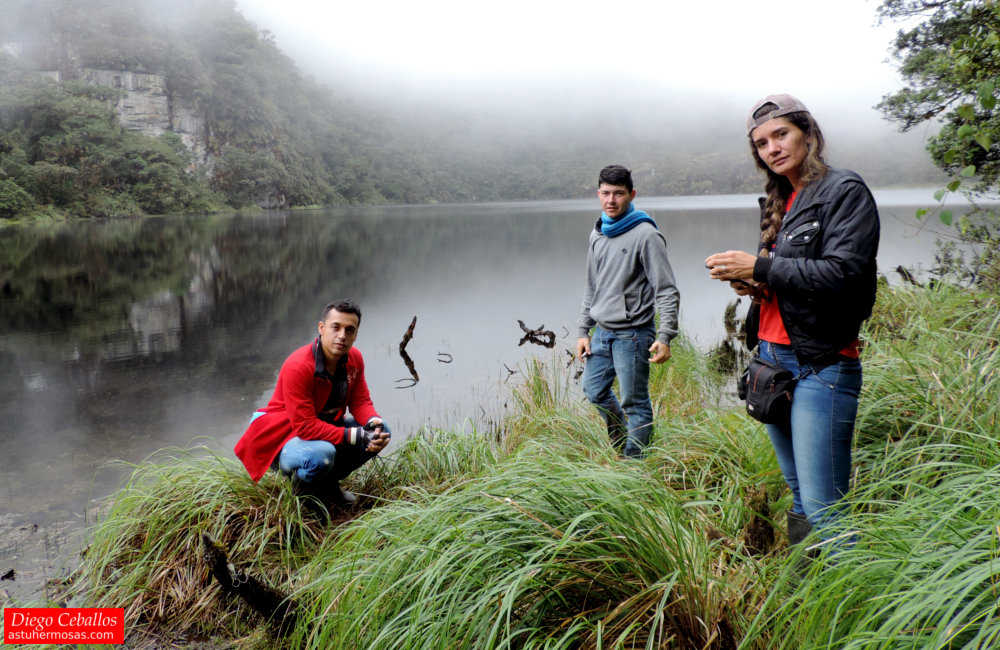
[305, 431]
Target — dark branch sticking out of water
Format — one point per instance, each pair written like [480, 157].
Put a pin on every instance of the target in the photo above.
[908, 276]
[572, 360]
[413, 378]
[408, 335]
[538, 336]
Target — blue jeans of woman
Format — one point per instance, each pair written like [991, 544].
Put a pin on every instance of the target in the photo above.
[318, 460]
[623, 354]
[814, 451]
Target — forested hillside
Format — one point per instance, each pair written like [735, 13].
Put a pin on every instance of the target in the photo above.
[233, 123]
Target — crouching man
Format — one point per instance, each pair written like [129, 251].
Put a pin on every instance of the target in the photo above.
[305, 431]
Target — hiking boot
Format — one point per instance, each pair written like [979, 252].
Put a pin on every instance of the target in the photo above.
[618, 436]
[798, 528]
[310, 497]
[340, 497]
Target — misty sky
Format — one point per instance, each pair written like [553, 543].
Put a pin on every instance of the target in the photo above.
[828, 52]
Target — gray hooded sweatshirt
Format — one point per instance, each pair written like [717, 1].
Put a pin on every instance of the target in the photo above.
[629, 279]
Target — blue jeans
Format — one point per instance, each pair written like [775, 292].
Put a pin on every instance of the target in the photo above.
[316, 461]
[623, 353]
[814, 453]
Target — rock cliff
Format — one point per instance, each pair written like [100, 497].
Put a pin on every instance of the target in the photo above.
[145, 105]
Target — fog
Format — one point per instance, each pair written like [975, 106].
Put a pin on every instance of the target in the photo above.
[650, 81]
[650, 69]
[650, 60]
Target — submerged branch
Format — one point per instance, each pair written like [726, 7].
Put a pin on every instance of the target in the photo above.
[408, 335]
[406, 358]
[539, 336]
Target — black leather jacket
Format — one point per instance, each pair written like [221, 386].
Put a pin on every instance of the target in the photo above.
[823, 268]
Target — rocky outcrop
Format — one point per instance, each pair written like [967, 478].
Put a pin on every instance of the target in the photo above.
[145, 105]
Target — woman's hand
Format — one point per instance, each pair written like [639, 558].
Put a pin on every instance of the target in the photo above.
[730, 266]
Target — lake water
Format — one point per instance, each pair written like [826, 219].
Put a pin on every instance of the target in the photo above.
[118, 338]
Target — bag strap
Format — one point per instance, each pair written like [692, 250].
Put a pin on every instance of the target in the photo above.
[810, 369]
[805, 373]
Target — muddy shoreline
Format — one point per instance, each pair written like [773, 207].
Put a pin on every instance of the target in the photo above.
[36, 559]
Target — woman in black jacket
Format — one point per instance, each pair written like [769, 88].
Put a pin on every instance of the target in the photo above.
[813, 281]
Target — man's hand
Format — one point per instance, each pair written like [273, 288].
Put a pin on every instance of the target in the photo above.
[378, 441]
[660, 352]
[372, 439]
[582, 347]
[379, 438]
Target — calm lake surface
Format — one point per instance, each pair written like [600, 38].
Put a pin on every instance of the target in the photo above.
[119, 338]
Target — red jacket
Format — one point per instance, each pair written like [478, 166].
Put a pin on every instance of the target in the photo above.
[300, 395]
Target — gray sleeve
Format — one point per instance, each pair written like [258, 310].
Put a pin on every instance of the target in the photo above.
[585, 322]
[660, 276]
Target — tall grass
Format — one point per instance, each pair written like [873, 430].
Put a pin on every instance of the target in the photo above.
[145, 551]
[550, 549]
[925, 571]
[145, 554]
[538, 535]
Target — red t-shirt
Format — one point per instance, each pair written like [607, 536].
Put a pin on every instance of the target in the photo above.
[772, 328]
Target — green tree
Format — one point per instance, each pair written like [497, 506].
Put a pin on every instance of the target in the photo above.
[13, 198]
[950, 63]
[61, 147]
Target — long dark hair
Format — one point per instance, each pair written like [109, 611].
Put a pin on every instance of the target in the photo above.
[778, 188]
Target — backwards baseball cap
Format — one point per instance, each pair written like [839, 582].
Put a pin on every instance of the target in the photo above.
[785, 104]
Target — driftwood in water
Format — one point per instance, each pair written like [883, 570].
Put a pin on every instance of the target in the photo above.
[908, 276]
[406, 358]
[413, 379]
[408, 335]
[539, 336]
[277, 608]
[572, 360]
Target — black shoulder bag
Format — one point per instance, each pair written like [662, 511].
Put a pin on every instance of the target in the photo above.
[767, 389]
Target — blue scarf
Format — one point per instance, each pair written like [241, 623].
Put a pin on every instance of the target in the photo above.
[632, 218]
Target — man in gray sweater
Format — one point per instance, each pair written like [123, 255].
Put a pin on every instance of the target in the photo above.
[629, 280]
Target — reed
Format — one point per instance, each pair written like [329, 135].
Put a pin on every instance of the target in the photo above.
[924, 573]
[429, 460]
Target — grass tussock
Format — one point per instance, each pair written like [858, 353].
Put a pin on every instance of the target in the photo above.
[538, 536]
[551, 548]
[145, 551]
[925, 569]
